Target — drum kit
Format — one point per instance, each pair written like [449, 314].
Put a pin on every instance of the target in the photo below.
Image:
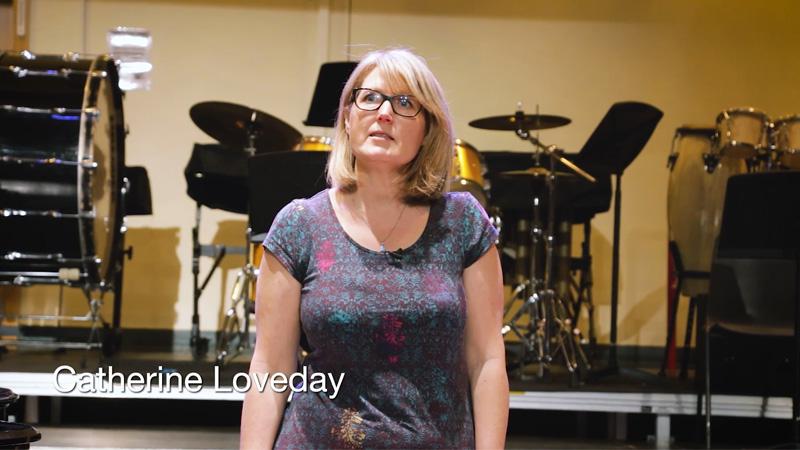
[539, 312]
[62, 154]
[217, 178]
[544, 322]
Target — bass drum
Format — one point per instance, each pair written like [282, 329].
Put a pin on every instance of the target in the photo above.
[469, 169]
[695, 199]
[61, 158]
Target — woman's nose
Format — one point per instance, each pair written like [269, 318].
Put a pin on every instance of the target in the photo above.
[385, 111]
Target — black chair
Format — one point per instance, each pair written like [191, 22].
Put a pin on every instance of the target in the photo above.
[754, 288]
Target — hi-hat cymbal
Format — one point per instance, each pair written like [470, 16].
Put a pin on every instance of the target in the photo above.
[533, 172]
[511, 123]
[230, 124]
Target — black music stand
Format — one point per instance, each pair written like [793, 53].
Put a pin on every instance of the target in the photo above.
[612, 147]
[325, 103]
[275, 179]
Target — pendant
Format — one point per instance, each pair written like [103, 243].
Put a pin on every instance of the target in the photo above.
[382, 249]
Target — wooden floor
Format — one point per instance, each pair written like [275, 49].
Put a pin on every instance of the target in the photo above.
[228, 438]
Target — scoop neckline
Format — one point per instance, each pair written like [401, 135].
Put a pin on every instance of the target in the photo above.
[332, 211]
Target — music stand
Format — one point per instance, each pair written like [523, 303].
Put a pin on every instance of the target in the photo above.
[615, 143]
[275, 179]
[325, 103]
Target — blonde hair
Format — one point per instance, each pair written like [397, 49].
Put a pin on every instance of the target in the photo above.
[426, 177]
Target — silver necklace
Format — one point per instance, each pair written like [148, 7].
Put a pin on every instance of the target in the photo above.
[382, 242]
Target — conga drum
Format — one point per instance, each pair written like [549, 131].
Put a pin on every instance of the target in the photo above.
[695, 197]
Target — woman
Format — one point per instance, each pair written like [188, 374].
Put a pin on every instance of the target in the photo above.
[396, 283]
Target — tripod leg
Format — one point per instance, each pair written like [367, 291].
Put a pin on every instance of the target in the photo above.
[687, 341]
[672, 313]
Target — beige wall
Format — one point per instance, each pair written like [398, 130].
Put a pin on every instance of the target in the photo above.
[691, 59]
[6, 26]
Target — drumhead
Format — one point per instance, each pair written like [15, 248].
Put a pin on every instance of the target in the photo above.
[103, 142]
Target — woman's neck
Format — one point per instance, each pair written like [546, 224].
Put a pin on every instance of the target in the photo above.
[377, 190]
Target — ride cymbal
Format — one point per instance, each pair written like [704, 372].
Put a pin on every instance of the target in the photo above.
[231, 124]
[511, 123]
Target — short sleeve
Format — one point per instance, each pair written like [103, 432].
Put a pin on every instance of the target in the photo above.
[288, 239]
[479, 235]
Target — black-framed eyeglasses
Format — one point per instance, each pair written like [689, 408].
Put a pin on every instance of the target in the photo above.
[402, 104]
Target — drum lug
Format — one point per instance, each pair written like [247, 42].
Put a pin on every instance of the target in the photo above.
[92, 113]
[671, 160]
[71, 56]
[89, 164]
[27, 55]
[710, 162]
[18, 71]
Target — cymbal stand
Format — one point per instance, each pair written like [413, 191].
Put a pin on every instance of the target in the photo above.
[234, 337]
[548, 312]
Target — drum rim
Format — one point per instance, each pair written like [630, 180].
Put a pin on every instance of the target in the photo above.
[746, 110]
[458, 142]
[786, 119]
[93, 268]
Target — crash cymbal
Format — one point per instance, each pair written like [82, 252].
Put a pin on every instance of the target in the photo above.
[533, 172]
[510, 123]
[230, 123]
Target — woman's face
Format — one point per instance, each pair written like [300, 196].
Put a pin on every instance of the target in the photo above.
[382, 136]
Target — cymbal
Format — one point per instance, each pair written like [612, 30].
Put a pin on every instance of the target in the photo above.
[530, 122]
[230, 123]
[533, 172]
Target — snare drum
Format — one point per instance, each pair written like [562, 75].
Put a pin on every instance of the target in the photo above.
[742, 132]
[695, 199]
[468, 172]
[786, 136]
[61, 157]
[315, 143]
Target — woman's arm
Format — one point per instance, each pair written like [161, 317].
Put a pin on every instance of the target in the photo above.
[485, 351]
[277, 338]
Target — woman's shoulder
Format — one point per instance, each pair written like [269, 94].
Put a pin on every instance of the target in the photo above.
[457, 202]
[301, 209]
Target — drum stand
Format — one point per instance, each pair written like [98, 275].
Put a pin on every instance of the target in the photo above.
[199, 344]
[234, 337]
[551, 329]
[99, 336]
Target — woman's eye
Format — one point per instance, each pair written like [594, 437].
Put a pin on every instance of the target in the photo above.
[408, 102]
[372, 97]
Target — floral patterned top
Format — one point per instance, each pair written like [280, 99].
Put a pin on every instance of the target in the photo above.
[393, 324]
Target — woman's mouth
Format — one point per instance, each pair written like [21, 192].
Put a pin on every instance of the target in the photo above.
[380, 135]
